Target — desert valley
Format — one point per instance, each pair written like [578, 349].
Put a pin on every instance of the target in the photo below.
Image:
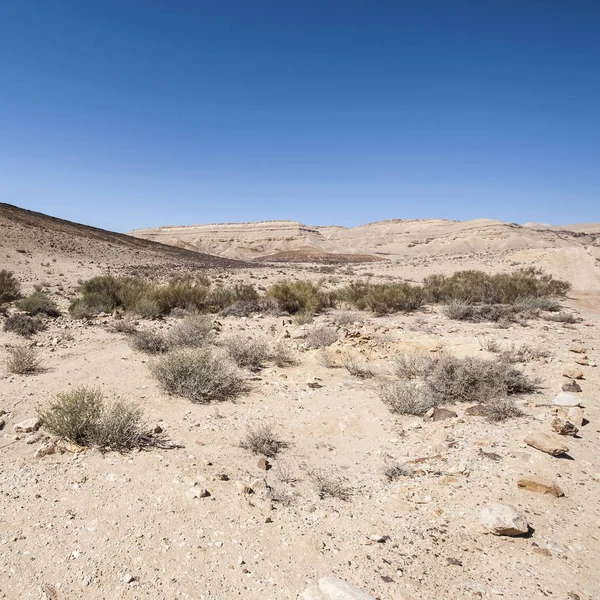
[405, 410]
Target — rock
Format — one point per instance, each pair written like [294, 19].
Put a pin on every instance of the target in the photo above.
[197, 492]
[571, 386]
[577, 349]
[564, 426]
[379, 539]
[573, 374]
[222, 477]
[45, 450]
[333, 588]
[439, 414]
[2, 424]
[540, 485]
[263, 464]
[157, 429]
[575, 415]
[583, 361]
[546, 443]
[128, 578]
[28, 425]
[243, 488]
[503, 519]
[566, 399]
[310, 594]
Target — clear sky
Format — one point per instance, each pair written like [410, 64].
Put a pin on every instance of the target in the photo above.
[130, 113]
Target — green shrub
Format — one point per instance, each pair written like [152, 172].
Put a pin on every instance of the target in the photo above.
[39, 303]
[10, 288]
[23, 325]
[383, 298]
[300, 296]
[22, 360]
[202, 374]
[83, 417]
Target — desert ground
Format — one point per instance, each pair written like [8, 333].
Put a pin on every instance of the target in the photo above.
[199, 516]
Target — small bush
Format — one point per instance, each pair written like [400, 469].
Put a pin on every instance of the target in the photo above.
[501, 409]
[357, 367]
[562, 317]
[300, 296]
[284, 355]
[39, 303]
[346, 317]
[123, 326]
[248, 352]
[489, 344]
[396, 469]
[407, 398]
[320, 337]
[385, 298]
[457, 310]
[22, 360]
[414, 365]
[541, 303]
[10, 288]
[23, 325]
[329, 359]
[149, 342]
[192, 332]
[83, 417]
[522, 354]
[329, 484]
[201, 374]
[476, 380]
[262, 440]
[303, 318]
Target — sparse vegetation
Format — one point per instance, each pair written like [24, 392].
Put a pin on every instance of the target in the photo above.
[327, 483]
[412, 365]
[407, 397]
[562, 317]
[345, 317]
[202, 375]
[83, 417]
[23, 325]
[262, 440]
[501, 409]
[247, 351]
[522, 354]
[22, 360]
[193, 332]
[489, 344]
[39, 303]
[123, 326]
[395, 469]
[357, 367]
[149, 342]
[284, 355]
[320, 337]
[10, 288]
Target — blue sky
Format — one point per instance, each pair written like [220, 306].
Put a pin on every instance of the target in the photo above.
[126, 114]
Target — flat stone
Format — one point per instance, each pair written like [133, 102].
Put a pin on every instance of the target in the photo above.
[546, 443]
[439, 414]
[571, 386]
[477, 410]
[583, 361]
[197, 492]
[333, 588]
[564, 426]
[540, 485]
[573, 374]
[28, 425]
[503, 519]
[575, 415]
[577, 349]
[566, 399]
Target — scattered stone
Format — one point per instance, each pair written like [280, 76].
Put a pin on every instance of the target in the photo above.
[439, 414]
[566, 399]
[197, 492]
[263, 464]
[28, 425]
[128, 578]
[222, 477]
[379, 539]
[577, 349]
[477, 410]
[454, 561]
[546, 443]
[333, 588]
[503, 519]
[571, 386]
[45, 450]
[573, 374]
[315, 385]
[540, 485]
[243, 488]
[564, 426]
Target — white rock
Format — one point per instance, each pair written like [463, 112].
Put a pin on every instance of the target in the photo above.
[503, 519]
[566, 399]
[333, 588]
[28, 425]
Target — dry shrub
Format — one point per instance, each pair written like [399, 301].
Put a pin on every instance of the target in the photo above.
[303, 318]
[10, 288]
[123, 326]
[201, 374]
[320, 337]
[407, 397]
[83, 417]
[39, 303]
[394, 469]
[192, 332]
[522, 354]
[149, 342]
[501, 409]
[327, 483]
[245, 308]
[346, 317]
[281, 493]
[262, 439]
[23, 325]
[22, 360]
[489, 344]
[562, 317]
[357, 367]
[284, 355]
[329, 359]
[412, 365]
[457, 310]
[248, 352]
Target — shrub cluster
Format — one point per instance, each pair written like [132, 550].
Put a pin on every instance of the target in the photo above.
[83, 417]
[39, 303]
[23, 325]
[301, 297]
